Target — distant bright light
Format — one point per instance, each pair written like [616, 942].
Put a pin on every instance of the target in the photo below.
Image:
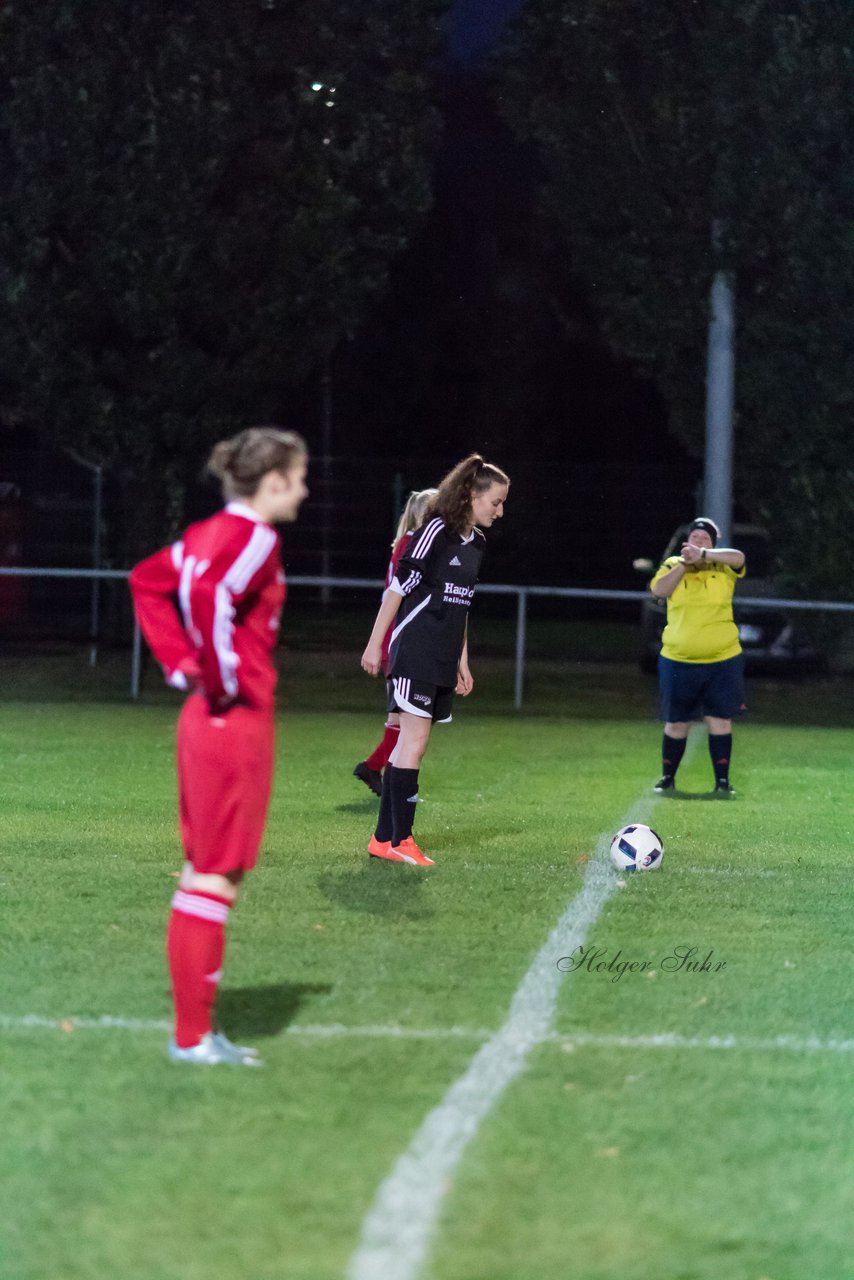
[317, 86]
[330, 102]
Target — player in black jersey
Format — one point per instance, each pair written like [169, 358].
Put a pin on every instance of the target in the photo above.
[428, 601]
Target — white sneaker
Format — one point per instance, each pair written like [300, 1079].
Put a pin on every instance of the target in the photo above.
[243, 1051]
[213, 1049]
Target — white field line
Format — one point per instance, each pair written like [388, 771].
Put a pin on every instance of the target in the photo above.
[71, 1022]
[739, 873]
[564, 1040]
[586, 1039]
[397, 1231]
[670, 1040]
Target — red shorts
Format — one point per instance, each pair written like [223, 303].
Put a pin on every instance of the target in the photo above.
[225, 773]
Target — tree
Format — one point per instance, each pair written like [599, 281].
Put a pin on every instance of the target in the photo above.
[200, 200]
[659, 123]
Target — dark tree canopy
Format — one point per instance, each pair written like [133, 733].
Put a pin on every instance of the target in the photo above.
[200, 201]
[657, 122]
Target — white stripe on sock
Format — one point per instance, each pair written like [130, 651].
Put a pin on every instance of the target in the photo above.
[192, 904]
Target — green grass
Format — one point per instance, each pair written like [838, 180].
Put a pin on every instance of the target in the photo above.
[599, 1163]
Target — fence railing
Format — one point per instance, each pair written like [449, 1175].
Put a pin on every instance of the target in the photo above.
[522, 594]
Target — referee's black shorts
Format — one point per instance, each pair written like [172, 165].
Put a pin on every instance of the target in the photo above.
[691, 690]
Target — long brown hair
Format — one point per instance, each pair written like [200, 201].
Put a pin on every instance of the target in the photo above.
[453, 500]
[242, 462]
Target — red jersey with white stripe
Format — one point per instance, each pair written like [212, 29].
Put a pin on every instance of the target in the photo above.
[209, 607]
[398, 550]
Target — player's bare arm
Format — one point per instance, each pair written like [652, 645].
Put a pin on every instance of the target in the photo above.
[726, 555]
[695, 555]
[465, 683]
[372, 657]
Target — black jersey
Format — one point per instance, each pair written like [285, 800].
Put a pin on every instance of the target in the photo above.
[436, 578]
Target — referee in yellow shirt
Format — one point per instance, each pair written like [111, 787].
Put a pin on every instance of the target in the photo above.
[701, 668]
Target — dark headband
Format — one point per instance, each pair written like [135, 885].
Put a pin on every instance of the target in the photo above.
[708, 526]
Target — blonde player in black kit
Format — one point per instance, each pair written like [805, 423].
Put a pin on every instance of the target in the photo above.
[429, 599]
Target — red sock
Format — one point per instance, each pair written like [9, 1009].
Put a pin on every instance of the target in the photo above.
[195, 944]
[379, 758]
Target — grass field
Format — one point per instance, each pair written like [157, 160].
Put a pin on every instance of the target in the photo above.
[670, 1124]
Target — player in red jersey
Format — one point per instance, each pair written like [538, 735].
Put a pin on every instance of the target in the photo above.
[429, 601]
[370, 770]
[209, 607]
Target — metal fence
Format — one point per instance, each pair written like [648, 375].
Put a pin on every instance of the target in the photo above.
[522, 593]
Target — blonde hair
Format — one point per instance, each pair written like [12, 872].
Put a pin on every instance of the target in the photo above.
[242, 462]
[412, 515]
[454, 496]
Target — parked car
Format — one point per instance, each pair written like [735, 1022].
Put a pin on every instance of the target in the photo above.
[771, 638]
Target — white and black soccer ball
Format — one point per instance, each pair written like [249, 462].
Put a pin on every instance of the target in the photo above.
[637, 848]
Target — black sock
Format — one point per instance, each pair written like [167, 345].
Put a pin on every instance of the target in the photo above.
[672, 751]
[383, 831]
[720, 749]
[404, 795]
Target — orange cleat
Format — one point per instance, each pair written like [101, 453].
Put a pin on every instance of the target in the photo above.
[408, 851]
[382, 849]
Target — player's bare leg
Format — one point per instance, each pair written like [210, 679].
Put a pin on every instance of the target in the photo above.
[223, 886]
[412, 743]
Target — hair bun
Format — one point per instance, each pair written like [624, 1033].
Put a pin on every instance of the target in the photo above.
[241, 462]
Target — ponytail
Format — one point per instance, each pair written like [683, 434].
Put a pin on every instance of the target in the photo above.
[454, 498]
[412, 516]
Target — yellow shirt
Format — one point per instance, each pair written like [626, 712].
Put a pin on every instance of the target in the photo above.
[700, 626]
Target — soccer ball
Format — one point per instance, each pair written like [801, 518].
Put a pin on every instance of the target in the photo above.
[637, 848]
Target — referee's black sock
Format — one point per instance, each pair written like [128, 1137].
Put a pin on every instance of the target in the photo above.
[404, 796]
[384, 824]
[672, 751]
[720, 749]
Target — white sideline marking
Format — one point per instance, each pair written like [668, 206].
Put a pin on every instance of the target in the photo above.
[336, 1030]
[670, 1040]
[586, 1039]
[565, 1040]
[673, 870]
[396, 1232]
[738, 872]
[70, 1022]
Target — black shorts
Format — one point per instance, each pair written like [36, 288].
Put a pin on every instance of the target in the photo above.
[690, 690]
[430, 701]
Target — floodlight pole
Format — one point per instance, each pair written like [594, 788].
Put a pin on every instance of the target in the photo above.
[720, 398]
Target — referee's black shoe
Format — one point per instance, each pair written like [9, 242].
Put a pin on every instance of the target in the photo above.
[665, 783]
[723, 788]
[371, 777]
